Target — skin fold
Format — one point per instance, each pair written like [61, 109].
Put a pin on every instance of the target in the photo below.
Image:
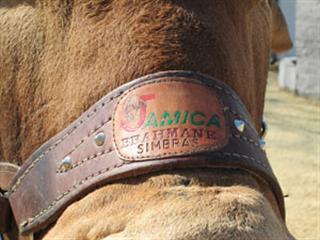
[59, 57]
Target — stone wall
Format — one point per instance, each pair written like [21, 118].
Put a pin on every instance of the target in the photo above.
[308, 47]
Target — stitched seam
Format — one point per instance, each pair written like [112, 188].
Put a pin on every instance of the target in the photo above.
[59, 141]
[213, 85]
[243, 138]
[88, 136]
[226, 91]
[70, 190]
[88, 158]
[237, 115]
[238, 155]
[77, 185]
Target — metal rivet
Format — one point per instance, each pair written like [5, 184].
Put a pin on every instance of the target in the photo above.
[100, 139]
[24, 223]
[262, 143]
[264, 129]
[66, 164]
[239, 124]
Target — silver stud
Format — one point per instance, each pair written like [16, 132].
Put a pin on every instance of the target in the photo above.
[66, 164]
[239, 124]
[24, 223]
[262, 143]
[100, 139]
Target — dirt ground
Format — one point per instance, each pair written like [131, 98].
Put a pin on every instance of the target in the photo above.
[293, 147]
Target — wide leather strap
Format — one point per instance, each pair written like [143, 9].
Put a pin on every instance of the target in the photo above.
[168, 120]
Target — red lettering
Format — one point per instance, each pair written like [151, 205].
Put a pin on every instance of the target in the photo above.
[141, 106]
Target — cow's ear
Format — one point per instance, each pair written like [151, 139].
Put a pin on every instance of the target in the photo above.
[281, 40]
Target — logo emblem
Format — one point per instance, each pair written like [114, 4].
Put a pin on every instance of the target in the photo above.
[135, 111]
[164, 119]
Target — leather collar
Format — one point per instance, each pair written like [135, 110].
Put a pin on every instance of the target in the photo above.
[167, 120]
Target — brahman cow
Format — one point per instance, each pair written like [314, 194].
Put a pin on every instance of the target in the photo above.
[59, 57]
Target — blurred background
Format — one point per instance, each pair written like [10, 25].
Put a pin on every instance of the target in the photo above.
[299, 69]
[292, 112]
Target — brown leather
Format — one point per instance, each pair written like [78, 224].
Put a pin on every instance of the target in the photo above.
[168, 118]
[42, 189]
[7, 172]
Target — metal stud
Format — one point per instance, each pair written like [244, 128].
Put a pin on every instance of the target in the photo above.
[66, 164]
[239, 124]
[100, 139]
[262, 143]
[24, 223]
[264, 129]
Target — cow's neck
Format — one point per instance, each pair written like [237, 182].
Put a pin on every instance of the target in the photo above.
[91, 49]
